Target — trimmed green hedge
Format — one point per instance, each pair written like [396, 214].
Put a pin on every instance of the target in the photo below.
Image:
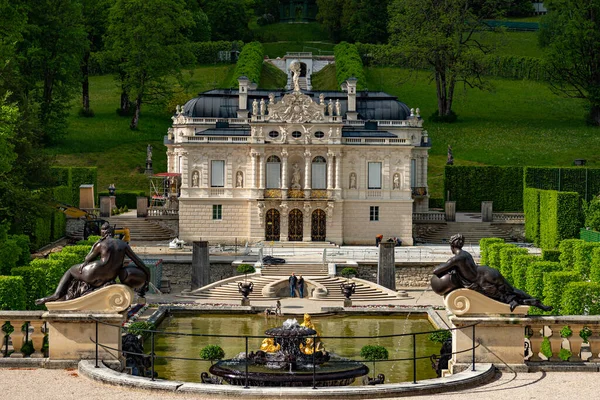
[595, 267]
[42, 234]
[554, 284]
[551, 255]
[531, 207]
[208, 52]
[582, 252]
[249, 63]
[507, 255]
[34, 279]
[79, 250]
[585, 181]
[25, 246]
[493, 254]
[12, 293]
[535, 277]
[484, 245]
[126, 198]
[581, 298]
[520, 265]
[349, 64]
[470, 185]
[567, 253]
[83, 176]
[62, 194]
[560, 216]
[53, 271]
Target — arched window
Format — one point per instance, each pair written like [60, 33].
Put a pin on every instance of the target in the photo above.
[273, 172]
[319, 173]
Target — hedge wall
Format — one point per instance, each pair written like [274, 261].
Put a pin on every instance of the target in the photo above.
[249, 63]
[126, 198]
[34, 279]
[582, 253]
[83, 176]
[560, 216]
[595, 267]
[507, 255]
[42, 234]
[63, 194]
[24, 244]
[581, 298]
[79, 250]
[10, 254]
[484, 245]
[493, 254]
[585, 181]
[531, 207]
[12, 293]
[208, 52]
[567, 254]
[349, 64]
[535, 277]
[554, 284]
[470, 185]
[520, 265]
[53, 271]
[551, 255]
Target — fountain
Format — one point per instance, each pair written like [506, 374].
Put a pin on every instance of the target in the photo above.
[291, 355]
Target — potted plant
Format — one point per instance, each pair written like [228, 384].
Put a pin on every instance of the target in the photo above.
[565, 346]
[245, 288]
[585, 353]
[374, 353]
[212, 352]
[349, 273]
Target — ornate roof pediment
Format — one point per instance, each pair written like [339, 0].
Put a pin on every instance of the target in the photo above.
[296, 108]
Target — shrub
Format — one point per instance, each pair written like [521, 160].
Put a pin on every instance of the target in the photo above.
[249, 63]
[535, 277]
[66, 258]
[582, 252]
[12, 293]
[560, 215]
[595, 266]
[551, 255]
[79, 250]
[439, 336]
[349, 272]
[62, 194]
[554, 283]
[567, 254]
[484, 245]
[24, 244]
[546, 347]
[126, 198]
[34, 279]
[470, 185]
[374, 353]
[520, 264]
[208, 52]
[212, 352]
[585, 333]
[493, 257]
[531, 207]
[585, 181]
[564, 354]
[140, 328]
[82, 176]
[42, 233]
[245, 269]
[581, 298]
[506, 257]
[566, 332]
[10, 253]
[592, 214]
[349, 64]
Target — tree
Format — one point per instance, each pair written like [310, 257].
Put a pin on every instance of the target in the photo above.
[571, 34]
[365, 21]
[200, 31]
[228, 19]
[444, 35]
[147, 40]
[330, 16]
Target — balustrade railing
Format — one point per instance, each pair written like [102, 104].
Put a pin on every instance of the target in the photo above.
[429, 217]
[159, 212]
[22, 334]
[419, 191]
[508, 217]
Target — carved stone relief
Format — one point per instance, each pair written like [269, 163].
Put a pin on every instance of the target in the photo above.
[352, 181]
[295, 108]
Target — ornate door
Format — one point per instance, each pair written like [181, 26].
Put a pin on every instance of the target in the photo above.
[295, 225]
[318, 226]
[272, 225]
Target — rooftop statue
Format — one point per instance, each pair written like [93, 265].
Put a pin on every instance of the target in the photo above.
[295, 68]
[101, 267]
[461, 271]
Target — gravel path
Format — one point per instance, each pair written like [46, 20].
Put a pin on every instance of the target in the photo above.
[19, 384]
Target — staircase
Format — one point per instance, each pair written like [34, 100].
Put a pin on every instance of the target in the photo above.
[472, 231]
[141, 229]
[280, 270]
[229, 290]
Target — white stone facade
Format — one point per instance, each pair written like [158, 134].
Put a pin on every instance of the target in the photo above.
[295, 168]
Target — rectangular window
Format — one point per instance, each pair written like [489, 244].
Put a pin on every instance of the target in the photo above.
[217, 173]
[374, 213]
[374, 175]
[273, 175]
[413, 173]
[319, 176]
[217, 211]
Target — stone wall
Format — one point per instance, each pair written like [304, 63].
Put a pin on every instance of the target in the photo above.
[406, 275]
[168, 222]
[196, 220]
[180, 274]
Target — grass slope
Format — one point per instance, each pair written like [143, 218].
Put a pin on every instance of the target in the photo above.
[325, 79]
[518, 123]
[272, 77]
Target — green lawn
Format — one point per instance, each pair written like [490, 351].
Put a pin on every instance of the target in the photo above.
[325, 79]
[107, 142]
[278, 49]
[518, 123]
[513, 43]
[299, 32]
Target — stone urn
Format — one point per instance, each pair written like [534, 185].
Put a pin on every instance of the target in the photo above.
[348, 290]
[245, 288]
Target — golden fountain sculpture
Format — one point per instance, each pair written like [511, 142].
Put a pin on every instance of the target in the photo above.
[268, 346]
[310, 345]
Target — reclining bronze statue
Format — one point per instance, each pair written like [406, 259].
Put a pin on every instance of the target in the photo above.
[101, 267]
[461, 271]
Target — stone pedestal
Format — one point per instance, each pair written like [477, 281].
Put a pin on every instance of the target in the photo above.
[487, 209]
[105, 208]
[86, 196]
[245, 301]
[113, 202]
[142, 206]
[450, 209]
[200, 265]
[386, 268]
[347, 303]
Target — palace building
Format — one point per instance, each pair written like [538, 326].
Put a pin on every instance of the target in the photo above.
[257, 165]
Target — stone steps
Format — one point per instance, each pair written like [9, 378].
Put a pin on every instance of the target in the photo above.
[472, 231]
[142, 229]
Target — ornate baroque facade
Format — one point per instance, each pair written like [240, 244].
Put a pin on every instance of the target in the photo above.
[341, 167]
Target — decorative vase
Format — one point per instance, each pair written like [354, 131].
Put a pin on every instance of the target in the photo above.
[245, 288]
[348, 289]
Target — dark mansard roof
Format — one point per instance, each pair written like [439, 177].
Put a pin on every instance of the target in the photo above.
[223, 103]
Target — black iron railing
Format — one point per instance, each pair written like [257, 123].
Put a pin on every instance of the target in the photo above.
[414, 357]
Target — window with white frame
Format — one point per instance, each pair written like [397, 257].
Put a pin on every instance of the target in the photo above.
[273, 172]
[217, 173]
[374, 213]
[413, 173]
[374, 175]
[319, 173]
[217, 211]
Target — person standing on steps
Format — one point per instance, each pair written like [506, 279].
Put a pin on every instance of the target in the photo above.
[293, 281]
[301, 286]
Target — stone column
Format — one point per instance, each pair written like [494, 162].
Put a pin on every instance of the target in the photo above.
[338, 171]
[450, 210]
[386, 268]
[283, 224]
[184, 172]
[307, 173]
[142, 206]
[487, 211]
[284, 169]
[254, 156]
[261, 173]
[306, 222]
[330, 170]
[105, 209]
[200, 265]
